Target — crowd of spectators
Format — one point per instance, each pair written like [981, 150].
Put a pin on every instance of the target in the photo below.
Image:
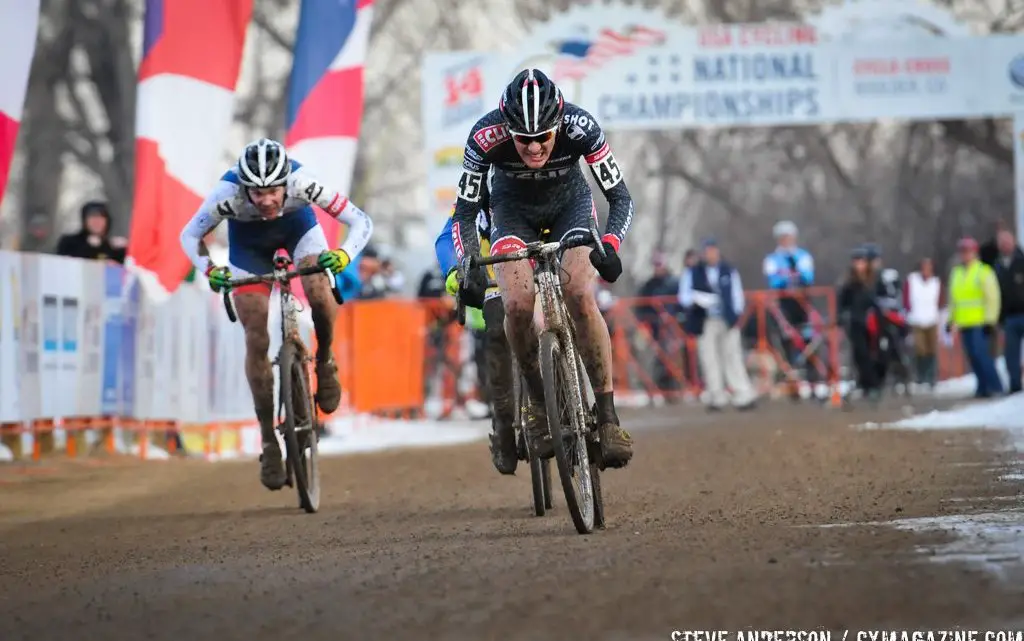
[894, 326]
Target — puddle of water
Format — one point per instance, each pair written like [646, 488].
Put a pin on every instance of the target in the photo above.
[994, 541]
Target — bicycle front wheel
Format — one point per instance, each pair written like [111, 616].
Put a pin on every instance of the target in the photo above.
[564, 402]
[300, 435]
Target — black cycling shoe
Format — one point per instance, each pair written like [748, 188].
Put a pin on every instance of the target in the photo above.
[537, 431]
[504, 453]
[272, 473]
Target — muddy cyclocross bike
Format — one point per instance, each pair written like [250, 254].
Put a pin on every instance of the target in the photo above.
[296, 408]
[572, 421]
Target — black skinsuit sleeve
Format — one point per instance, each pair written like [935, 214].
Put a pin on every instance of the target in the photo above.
[590, 142]
[472, 196]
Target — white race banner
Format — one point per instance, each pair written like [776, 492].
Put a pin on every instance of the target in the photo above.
[638, 69]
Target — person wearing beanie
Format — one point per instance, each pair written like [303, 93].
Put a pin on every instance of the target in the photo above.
[93, 241]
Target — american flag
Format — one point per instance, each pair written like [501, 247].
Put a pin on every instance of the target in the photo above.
[579, 57]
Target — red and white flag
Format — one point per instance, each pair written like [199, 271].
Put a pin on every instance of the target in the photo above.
[18, 24]
[192, 54]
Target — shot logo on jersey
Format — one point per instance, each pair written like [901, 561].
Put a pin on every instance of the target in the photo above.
[579, 120]
[490, 137]
[575, 132]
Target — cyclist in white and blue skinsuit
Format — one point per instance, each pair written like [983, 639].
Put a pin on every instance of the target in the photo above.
[791, 268]
[267, 200]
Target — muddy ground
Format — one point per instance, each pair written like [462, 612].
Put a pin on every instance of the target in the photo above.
[704, 531]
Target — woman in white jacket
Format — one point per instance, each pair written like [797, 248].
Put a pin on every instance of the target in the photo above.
[923, 300]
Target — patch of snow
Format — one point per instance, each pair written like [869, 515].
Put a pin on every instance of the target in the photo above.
[1005, 413]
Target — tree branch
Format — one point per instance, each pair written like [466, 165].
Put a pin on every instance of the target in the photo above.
[989, 145]
[266, 24]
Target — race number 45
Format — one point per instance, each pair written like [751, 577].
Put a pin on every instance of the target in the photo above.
[607, 172]
[469, 186]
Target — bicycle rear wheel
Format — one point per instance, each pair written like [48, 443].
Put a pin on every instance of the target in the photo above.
[523, 444]
[300, 437]
[564, 402]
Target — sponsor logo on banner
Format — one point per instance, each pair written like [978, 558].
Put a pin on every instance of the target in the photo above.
[756, 35]
[464, 93]
[490, 137]
[901, 75]
[722, 83]
[1016, 72]
[448, 157]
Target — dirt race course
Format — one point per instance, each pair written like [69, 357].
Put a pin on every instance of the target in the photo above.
[434, 544]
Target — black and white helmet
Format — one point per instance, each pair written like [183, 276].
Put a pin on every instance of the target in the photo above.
[264, 163]
[531, 104]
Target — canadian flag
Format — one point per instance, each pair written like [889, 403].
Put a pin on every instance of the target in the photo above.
[18, 23]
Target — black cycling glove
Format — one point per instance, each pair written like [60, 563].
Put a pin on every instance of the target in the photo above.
[473, 288]
[609, 265]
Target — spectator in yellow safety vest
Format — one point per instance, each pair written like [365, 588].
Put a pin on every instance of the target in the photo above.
[974, 304]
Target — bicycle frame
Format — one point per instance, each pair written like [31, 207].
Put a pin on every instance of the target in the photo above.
[289, 306]
[556, 316]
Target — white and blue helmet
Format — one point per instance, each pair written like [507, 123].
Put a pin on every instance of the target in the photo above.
[264, 163]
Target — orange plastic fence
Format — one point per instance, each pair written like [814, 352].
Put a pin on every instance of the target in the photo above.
[653, 357]
[380, 350]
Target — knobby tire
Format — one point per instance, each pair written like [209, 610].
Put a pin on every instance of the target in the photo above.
[568, 438]
[295, 394]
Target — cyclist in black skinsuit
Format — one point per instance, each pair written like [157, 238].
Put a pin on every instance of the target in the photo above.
[534, 141]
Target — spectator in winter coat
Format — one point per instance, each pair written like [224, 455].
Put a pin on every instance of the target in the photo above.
[856, 304]
[93, 241]
[659, 317]
[923, 300]
[974, 304]
[1009, 268]
[713, 296]
[889, 305]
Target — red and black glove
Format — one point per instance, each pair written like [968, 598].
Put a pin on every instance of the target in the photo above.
[609, 265]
